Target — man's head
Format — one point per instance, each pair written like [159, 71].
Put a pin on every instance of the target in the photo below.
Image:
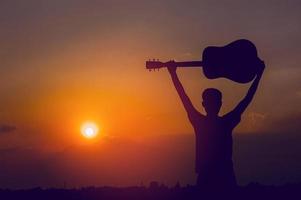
[212, 101]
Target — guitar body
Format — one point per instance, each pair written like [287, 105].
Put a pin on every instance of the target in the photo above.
[237, 61]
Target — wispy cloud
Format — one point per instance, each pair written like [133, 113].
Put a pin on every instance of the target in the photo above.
[4, 128]
[298, 93]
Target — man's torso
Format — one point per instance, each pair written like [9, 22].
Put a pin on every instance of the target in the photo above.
[214, 140]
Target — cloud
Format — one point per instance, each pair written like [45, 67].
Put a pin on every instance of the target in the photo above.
[298, 93]
[284, 124]
[7, 128]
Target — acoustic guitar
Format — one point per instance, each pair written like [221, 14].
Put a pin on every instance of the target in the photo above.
[237, 61]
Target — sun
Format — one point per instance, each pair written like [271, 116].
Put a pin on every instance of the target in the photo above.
[89, 130]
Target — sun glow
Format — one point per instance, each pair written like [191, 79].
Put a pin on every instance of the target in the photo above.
[89, 130]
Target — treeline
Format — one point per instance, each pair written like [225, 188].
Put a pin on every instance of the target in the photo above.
[155, 192]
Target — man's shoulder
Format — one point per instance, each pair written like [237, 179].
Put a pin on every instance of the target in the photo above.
[231, 114]
[197, 118]
[232, 118]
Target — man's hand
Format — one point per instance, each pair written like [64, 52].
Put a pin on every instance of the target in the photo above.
[262, 67]
[172, 67]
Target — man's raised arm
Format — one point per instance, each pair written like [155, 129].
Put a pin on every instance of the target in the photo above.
[241, 107]
[191, 111]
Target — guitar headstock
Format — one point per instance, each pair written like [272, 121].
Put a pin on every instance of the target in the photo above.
[154, 64]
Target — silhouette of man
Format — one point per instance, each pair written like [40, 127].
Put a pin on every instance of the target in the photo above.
[213, 133]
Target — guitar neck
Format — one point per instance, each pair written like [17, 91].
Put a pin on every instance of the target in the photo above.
[189, 64]
[157, 64]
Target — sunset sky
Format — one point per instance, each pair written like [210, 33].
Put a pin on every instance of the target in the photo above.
[65, 62]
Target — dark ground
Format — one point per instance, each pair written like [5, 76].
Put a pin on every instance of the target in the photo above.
[155, 191]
